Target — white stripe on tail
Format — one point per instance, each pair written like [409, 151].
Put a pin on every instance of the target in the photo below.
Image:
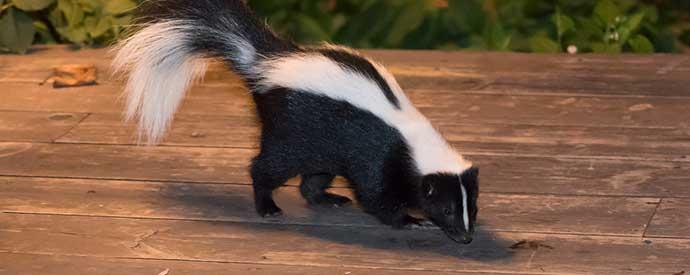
[161, 69]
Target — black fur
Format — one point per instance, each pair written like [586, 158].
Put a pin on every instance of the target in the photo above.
[212, 19]
[317, 137]
[314, 136]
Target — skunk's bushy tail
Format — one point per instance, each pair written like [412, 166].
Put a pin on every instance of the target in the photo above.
[163, 59]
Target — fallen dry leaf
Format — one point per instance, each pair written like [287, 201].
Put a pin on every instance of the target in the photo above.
[73, 75]
[641, 107]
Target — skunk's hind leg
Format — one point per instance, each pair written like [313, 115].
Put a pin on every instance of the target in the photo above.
[264, 180]
[313, 189]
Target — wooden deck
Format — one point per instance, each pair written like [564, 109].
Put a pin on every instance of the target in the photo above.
[584, 158]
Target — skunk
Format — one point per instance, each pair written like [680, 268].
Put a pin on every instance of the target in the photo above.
[325, 111]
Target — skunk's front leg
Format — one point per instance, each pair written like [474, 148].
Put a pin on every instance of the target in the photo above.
[313, 189]
[389, 208]
[390, 211]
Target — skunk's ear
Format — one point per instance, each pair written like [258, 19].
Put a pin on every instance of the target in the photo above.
[428, 189]
[470, 176]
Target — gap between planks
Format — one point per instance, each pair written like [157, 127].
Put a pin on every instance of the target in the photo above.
[56, 263]
[464, 153]
[295, 182]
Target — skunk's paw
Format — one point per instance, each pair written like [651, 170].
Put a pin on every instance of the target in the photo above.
[328, 199]
[269, 210]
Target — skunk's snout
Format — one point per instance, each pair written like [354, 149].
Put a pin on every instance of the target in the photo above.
[459, 237]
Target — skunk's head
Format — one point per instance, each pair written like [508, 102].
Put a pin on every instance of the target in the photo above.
[450, 202]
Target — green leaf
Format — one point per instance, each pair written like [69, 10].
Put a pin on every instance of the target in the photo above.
[544, 45]
[32, 5]
[360, 31]
[563, 23]
[44, 35]
[640, 44]
[650, 13]
[589, 28]
[310, 30]
[496, 38]
[16, 31]
[91, 6]
[75, 34]
[117, 7]
[72, 12]
[630, 26]
[467, 14]
[409, 19]
[97, 27]
[122, 20]
[607, 11]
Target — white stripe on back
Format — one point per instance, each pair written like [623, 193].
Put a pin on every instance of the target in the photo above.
[317, 74]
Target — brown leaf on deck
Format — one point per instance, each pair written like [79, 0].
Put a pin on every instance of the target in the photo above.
[524, 244]
[73, 75]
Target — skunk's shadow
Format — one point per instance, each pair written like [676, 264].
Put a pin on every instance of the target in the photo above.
[346, 225]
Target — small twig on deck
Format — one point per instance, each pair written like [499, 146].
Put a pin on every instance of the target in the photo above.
[139, 240]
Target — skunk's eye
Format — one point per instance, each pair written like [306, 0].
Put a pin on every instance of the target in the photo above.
[446, 211]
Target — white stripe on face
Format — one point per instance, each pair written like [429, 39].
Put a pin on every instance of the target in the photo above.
[465, 215]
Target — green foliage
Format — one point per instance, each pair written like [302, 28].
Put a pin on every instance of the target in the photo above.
[80, 22]
[16, 31]
[605, 26]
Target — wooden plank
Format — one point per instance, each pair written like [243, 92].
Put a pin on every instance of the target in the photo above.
[672, 219]
[553, 110]
[446, 106]
[187, 130]
[243, 132]
[500, 173]
[499, 212]
[25, 264]
[652, 75]
[569, 141]
[337, 246]
[583, 176]
[36, 67]
[106, 99]
[125, 162]
[36, 70]
[33, 126]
